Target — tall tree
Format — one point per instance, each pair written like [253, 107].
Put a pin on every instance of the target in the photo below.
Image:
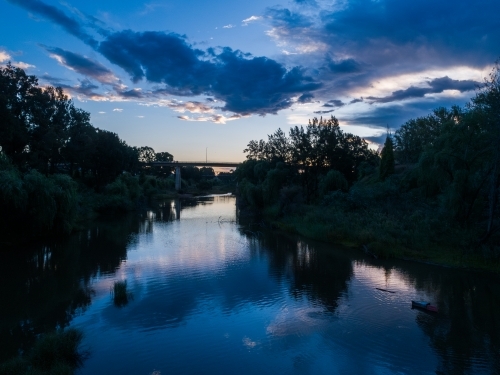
[487, 102]
[17, 91]
[387, 158]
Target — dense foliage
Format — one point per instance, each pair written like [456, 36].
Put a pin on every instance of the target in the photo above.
[305, 158]
[55, 166]
[433, 189]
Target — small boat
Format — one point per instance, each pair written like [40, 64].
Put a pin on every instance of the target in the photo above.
[423, 306]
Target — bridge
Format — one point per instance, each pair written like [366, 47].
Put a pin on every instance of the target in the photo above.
[178, 164]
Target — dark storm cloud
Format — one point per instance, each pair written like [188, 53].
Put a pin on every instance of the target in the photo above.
[424, 20]
[158, 57]
[334, 103]
[246, 84]
[384, 30]
[360, 41]
[83, 65]
[395, 115]
[57, 16]
[344, 66]
[436, 86]
[131, 94]
[356, 101]
[258, 84]
[306, 98]
[323, 112]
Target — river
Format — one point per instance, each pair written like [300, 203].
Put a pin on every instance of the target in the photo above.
[210, 295]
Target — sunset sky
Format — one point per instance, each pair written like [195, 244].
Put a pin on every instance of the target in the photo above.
[184, 76]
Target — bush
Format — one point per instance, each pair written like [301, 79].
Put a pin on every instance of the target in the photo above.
[291, 197]
[334, 180]
[66, 198]
[42, 207]
[274, 182]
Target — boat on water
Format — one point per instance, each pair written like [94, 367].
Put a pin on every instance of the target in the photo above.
[423, 305]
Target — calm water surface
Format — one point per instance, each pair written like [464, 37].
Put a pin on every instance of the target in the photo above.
[209, 295]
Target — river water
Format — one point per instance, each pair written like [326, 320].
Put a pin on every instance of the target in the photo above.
[210, 295]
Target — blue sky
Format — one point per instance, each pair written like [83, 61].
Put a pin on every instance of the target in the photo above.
[184, 76]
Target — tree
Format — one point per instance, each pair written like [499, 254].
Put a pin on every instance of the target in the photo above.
[81, 145]
[387, 158]
[112, 157]
[312, 151]
[164, 156]
[487, 102]
[16, 94]
[146, 154]
[411, 139]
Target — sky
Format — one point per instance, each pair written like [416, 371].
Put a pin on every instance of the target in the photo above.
[202, 79]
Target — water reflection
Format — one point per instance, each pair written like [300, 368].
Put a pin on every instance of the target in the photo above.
[244, 299]
[466, 335]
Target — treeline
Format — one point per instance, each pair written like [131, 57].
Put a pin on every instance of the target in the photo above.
[432, 192]
[55, 165]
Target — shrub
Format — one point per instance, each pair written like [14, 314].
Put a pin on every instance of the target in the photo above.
[334, 180]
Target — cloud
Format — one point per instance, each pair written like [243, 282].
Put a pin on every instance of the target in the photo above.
[306, 98]
[118, 110]
[82, 65]
[57, 16]
[394, 114]
[101, 112]
[85, 89]
[135, 93]
[341, 48]
[436, 86]
[4, 56]
[283, 17]
[23, 65]
[265, 87]
[391, 33]
[250, 20]
[335, 103]
[306, 2]
[217, 118]
[354, 43]
[228, 26]
[323, 112]
[193, 107]
[344, 66]
[245, 83]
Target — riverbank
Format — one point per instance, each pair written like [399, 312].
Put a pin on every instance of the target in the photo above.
[381, 236]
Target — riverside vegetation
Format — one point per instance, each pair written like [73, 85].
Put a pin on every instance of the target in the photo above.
[431, 194]
[55, 353]
[56, 169]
